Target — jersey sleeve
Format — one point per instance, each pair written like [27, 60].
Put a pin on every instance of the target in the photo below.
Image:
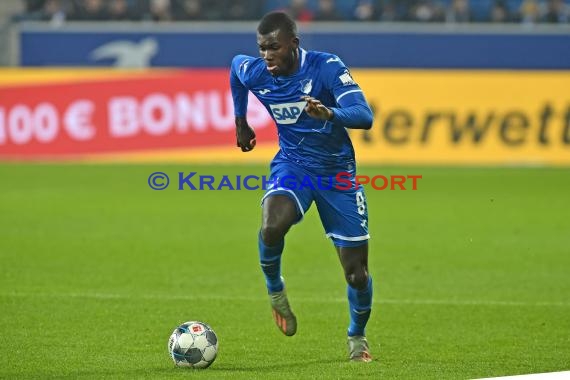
[238, 83]
[352, 110]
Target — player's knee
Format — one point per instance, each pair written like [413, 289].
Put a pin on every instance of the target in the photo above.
[357, 279]
[272, 234]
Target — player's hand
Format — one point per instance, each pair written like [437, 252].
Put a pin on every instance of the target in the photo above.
[245, 135]
[316, 109]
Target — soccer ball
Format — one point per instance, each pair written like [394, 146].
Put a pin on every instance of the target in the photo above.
[193, 344]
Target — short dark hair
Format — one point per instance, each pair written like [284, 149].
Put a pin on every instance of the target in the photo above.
[277, 21]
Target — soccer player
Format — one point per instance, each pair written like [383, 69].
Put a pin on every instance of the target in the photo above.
[312, 97]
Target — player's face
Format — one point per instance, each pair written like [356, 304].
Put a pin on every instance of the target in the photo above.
[279, 52]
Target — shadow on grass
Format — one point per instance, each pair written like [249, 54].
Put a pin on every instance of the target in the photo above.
[216, 370]
[269, 366]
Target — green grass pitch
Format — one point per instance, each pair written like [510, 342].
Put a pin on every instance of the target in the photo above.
[471, 275]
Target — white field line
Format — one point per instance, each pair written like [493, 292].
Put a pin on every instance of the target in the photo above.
[565, 375]
[262, 298]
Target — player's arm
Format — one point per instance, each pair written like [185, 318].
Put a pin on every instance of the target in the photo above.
[352, 109]
[245, 135]
[353, 113]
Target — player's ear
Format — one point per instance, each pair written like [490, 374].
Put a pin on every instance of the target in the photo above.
[295, 42]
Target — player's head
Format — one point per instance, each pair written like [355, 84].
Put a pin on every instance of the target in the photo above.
[278, 43]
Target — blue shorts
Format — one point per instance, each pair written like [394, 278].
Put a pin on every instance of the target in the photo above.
[343, 212]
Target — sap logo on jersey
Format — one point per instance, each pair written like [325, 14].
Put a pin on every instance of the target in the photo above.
[287, 113]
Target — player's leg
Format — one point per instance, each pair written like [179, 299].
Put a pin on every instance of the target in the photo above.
[279, 214]
[354, 261]
[344, 216]
[283, 206]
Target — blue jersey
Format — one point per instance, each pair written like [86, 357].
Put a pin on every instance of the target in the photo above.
[312, 143]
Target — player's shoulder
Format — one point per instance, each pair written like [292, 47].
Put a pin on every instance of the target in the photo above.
[324, 58]
[248, 66]
[327, 64]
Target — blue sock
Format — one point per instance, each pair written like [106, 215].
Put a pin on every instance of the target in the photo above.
[270, 260]
[360, 303]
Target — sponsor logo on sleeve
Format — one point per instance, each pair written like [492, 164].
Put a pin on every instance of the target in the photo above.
[346, 79]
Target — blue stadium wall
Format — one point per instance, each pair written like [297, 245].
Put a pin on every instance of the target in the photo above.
[362, 46]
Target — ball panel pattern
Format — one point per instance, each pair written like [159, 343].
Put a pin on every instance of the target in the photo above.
[193, 344]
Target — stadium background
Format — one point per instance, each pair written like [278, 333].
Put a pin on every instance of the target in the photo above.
[442, 92]
[473, 95]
